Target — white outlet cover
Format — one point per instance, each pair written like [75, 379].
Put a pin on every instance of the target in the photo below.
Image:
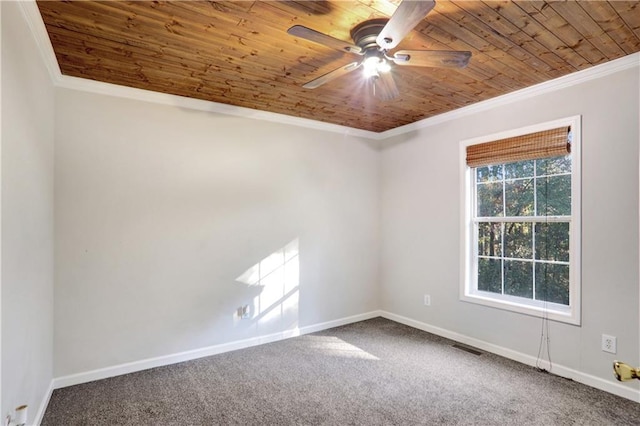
[609, 344]
[427, 300]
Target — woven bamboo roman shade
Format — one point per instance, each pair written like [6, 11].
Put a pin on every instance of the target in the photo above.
[548, 143]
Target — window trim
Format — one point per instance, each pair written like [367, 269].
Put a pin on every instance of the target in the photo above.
[468, 250]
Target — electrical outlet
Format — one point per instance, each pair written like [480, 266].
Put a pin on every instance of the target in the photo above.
[243, 312]
[427, 300]
[609, 344]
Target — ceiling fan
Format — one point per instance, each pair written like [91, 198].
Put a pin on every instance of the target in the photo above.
[373, 39]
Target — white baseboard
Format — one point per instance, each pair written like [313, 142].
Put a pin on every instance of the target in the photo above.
[559, 370]
[43, 405]
[132, 367]
[103, 373]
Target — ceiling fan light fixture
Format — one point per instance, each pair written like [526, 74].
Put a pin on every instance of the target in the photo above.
[374, 65]
[383, 66]
[370, 66]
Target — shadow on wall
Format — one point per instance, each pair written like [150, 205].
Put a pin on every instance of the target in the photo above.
[277, 279]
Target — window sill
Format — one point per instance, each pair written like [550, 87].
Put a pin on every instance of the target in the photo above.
[552, 311]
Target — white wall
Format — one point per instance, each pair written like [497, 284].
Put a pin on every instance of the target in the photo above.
[420, 226]
[27, 218]
[159, 210]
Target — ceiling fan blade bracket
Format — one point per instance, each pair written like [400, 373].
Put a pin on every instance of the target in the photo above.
[432, 58]
[401, 58]
[408, 14]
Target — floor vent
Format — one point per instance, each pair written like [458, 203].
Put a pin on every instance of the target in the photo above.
[467, 349]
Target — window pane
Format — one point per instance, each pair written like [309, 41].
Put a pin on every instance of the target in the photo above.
[518, 240]
[490, 239]
[552, 283]
[518, 278]
[489, 173]
[490, 199]
[554, 196]
[489, 275]
[552, 241]
[521, 169]
[553, 166]
[519, 197]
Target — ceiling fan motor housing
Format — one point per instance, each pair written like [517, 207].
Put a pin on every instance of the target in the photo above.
[372, 39]
[365, 33]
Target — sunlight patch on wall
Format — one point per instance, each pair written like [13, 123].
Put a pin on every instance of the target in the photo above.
[278, 277]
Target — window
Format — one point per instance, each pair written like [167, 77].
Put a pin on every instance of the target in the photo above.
[521, 220]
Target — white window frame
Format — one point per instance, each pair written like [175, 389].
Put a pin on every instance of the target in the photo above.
[469, 248]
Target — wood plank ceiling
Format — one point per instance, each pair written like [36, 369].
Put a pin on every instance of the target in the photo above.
[239, 52]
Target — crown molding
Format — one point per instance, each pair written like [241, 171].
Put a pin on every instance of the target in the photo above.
[109, 89]
[34, 20]
[36, 24]
[578, 77]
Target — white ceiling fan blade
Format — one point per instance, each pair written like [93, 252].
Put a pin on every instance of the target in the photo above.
[408, 14]
[331, 75]
[384, 87]
[324, 39]
[432, 58]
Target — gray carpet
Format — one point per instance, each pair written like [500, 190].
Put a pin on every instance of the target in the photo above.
[375, 372]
